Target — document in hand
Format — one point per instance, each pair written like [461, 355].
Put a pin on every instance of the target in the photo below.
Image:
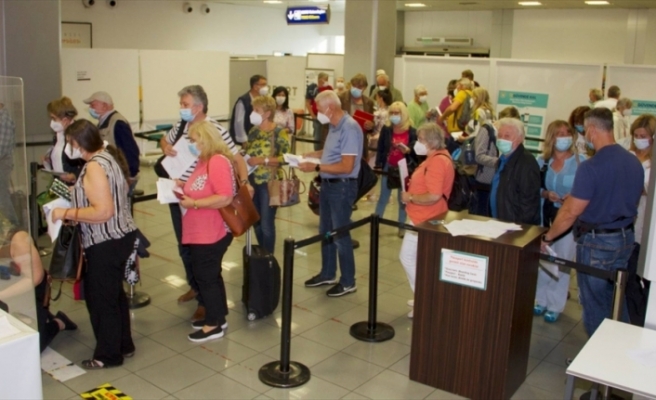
[294, 161]
[54, 227]
[178, 164]
[165, 191]
[403, 173]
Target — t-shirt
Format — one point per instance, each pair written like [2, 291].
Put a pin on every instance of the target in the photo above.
[612, 181]
[205, 225]
[461, 97]
[417, 113]
[344, 139]
[435, 175]
[395, 154]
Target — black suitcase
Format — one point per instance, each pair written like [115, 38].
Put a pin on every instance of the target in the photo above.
[261, 288]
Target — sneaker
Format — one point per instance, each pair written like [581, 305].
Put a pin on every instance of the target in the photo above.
[356, 244]
[551, 316]
[200, 324]
[411, 314]
[340, 290]
[411, 303]
[319, 281]
[200, 336]
[401, 233]
[539, 310]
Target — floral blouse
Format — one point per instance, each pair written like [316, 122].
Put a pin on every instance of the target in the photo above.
[259, 145]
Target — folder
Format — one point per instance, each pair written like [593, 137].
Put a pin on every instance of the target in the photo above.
[361, 117]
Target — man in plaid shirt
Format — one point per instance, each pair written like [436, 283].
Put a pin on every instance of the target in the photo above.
[7, 143]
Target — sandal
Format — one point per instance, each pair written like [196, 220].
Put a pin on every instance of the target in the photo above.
[93, 364]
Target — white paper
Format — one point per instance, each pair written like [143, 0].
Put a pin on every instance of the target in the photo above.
[251, 168]
[295, 160]
[464, 269]
[403, 172]
[646, 357]
[176, 166]
[455, 135]
[54, 227]
[58, 366]
[165, 189]
[490, 229]
[6, 328]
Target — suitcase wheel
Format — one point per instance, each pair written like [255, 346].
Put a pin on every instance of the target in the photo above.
[251, 316]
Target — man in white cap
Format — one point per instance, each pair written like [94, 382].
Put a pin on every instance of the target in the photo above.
[383, 82]
[116, 130]
[379, 72]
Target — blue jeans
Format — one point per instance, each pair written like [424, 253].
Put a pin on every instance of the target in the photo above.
[608, 252]
[265, 228]
[383, 200]
[336, 200]
[183, 250]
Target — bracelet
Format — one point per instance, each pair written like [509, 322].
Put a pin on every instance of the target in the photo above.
[195, 205]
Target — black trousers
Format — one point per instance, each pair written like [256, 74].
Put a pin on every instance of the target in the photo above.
[48, 327]
[183, 250]
[206, 264]
[106, 299]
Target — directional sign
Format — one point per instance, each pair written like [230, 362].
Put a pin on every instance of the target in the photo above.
[308, 15]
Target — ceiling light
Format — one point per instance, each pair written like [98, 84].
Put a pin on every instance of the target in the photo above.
[272, 1]
[530, 3]
[416, 5]
[597, 3]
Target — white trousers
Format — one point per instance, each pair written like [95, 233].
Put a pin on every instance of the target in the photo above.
[552, 293]
[408, 256]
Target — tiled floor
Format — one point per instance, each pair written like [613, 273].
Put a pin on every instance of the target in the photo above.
[168, 366]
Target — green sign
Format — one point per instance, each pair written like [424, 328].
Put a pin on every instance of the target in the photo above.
[643, 107]
[532, 109]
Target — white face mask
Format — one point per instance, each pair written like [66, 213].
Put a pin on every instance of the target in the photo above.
[626, 113]
[422, 99]
[256, 119]
[420, 148]
[641, 144]
[323, 118]
[280, 100]
[340, 85]
[72, 153]
[264, 90]
[382, 88]
[56, 126]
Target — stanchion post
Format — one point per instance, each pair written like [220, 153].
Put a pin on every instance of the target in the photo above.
[285, 373]
[618, 293]
[33, 211]
[372, 330]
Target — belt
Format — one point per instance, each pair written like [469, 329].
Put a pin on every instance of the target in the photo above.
[613, 230]
[335, 180]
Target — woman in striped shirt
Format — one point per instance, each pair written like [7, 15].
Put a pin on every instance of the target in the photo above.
[108, 233]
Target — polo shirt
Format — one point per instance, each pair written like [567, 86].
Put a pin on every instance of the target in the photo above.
[344, 139]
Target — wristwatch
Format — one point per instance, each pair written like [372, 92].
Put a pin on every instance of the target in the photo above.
[544, 239]
[266, 161]
[410, 199]
[317, 168]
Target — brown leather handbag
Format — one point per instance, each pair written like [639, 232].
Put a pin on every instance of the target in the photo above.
[241, 213]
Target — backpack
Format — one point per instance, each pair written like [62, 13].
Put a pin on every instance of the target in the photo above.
[461, 191]
[467, 111]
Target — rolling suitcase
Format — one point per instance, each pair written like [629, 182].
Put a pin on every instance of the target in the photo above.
[261, 288]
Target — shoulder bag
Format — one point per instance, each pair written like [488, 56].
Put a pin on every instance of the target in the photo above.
[67, 254]
[158, 167]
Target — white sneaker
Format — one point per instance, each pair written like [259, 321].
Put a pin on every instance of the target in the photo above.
[411, 314]
[411, 303]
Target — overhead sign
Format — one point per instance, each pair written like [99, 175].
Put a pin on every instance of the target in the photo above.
[308, 15]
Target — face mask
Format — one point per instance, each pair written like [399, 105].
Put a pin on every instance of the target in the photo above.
[579, 128]
[56, 126]
[504, 146]
[264, 90]
[340, 85]
[626, 113]
[193, 149]
[355, 92]
[93, 113]
[641, 144]
[72, 153]
[420, 148]
[186, 115]
[280, 100]
[563, 143]
[395, 119]
[422, 99]
[455, 92]
[323, 118]
[382, 88]
[256, 119]
[589, 143]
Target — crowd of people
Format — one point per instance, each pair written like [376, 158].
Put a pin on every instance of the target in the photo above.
[588, 185]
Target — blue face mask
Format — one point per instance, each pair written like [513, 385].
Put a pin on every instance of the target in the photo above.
[504, 146]
[563, 143]
[395, 119]
[186, 115]
[193, 149]
[93, 113]
[579, 128]
[589, 144]
[355, 92]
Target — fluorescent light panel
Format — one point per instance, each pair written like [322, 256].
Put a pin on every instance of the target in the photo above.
[530, 3]
[416, 5]
[597, 3]
[272, 1]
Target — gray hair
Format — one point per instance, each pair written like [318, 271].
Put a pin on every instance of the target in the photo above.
[327, 98]
[624, 102]
[197, 93]
[601, 118]
[515, 124]
[384, 76]
[419, 89]
[466, 83]
[433, 135]
[597, 93]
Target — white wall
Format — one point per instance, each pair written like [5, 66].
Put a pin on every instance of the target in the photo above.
[650, 45]
[161, 25]
[467, 24]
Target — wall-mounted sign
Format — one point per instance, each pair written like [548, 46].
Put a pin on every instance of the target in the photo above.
[464, 269]
[308, 15]
[76, 35]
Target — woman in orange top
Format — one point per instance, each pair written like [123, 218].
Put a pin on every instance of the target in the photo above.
[426, 197]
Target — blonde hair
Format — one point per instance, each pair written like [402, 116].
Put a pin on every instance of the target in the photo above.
[550, 138]
[482, 100]
[648, 123]
[267, 103]
[597, 93]
[624, 102]
[62, 108]
[212, 141]
[399, 106]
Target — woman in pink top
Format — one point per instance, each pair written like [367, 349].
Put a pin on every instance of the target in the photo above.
[211, 186]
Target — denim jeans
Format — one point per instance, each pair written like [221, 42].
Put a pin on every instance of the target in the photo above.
[383, 200]
[183, 250]
[265, 228]
[336, 200]
[608, 252]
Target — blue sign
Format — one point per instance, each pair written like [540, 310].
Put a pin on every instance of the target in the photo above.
[308, 15]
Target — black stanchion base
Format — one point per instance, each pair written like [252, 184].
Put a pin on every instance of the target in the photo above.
[381, 333]
[138, 300]
[271, 375]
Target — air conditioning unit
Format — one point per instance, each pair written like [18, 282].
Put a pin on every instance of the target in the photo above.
[447, 51]
[445, 41]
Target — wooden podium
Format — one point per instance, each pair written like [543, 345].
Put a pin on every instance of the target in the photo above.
[474, 341]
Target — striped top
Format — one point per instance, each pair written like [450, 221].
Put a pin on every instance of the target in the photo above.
[118, 225]
[170, 139]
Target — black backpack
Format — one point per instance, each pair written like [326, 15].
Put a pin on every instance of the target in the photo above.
[466, 115]
[461, 191]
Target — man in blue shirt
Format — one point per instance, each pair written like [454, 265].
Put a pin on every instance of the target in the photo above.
[339, 169]
[602, 206]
